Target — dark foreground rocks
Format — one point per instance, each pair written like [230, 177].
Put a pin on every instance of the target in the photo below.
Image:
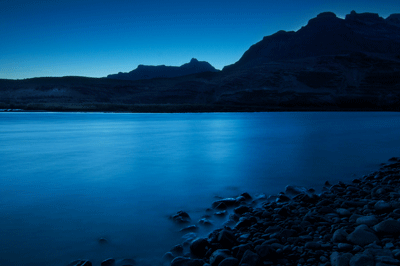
[356, 224]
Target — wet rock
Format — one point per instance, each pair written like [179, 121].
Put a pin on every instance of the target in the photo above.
[188, 238]
[282, 198]
[181, 217]
[340, 259]
[362, 236]
[249, 259]
[168, 257]
[238, 251]
[345, 247]
[183, 261]
[199, 247]
[227, 239]
[108, 262]
[229, 202]
[242, 209]
[128, 262]
[313, 245]
[266, 252]
[80, 263]
[221, 213]
[229, 262]
[382, 206]
[367, 220]
[389, 226]
[295, 190]
[246, 196]
[189, 228]
[177, 250]
[102, 241]
[343, 212]
[219, 255]
[205, 221]
[340, 236]
[362, 260]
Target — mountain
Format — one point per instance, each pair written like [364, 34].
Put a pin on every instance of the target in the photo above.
[149, 72]
[327, 35]
[329, 64]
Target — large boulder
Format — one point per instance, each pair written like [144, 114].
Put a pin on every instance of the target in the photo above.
[390, 226]
[362, 236]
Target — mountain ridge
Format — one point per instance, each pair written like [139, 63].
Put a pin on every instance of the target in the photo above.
[163, 71]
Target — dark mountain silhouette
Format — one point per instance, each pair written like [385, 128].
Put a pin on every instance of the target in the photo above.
[327, 35]
[149, 72]
[329, 64]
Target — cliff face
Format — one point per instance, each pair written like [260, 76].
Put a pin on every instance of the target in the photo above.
[327, 35]
[149, 72]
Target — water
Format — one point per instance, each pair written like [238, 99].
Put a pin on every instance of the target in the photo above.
[67, 179]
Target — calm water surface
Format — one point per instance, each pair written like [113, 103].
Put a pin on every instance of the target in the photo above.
[67, 179]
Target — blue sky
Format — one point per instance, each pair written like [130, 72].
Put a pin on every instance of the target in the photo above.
[96, 37]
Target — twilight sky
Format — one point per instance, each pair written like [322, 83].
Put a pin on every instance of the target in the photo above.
[97, 37]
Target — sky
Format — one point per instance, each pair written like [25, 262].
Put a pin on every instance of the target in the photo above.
[94, 38]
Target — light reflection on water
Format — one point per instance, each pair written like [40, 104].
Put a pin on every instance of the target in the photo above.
[67, 179]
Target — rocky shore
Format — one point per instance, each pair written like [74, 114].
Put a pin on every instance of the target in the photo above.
[356, 224]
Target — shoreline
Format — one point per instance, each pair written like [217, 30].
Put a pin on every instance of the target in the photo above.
[355, 223]
[347, 224]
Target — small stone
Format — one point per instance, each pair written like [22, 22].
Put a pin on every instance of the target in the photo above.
[219, 255]
[183, 261]
[340, 259]
[205, 221]
[345, 247]
[177, 250]
[199, 247]
[313, 245]
[229, 262]
[362, 236]
[265, 251]
[181, 217]
[389, 226]
[382, 206]
[343, 212]
[128, 262]
[362, 260]
[242, 209]
[249, 258]
[80, 263]
[340, 236]
[227, 239]
[368, 220]
[108, 262]
[189, 228]
[168, 257]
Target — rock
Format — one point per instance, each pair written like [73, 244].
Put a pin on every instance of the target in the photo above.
[205, 221]
[221, 213]
[340, 259]
[343, 212]
[345, 247]
[362, 260]
[80, 263]
[220, 206]
[183, 261]
[382, 206]
[108, 262]
[102, 241]
[313, 245]
[295, 190]
[199, 247]
[246, 196]
[177, 250]
[249, 259]
[389, 226]
[227, 239]
[282, 198]
[181, 217]
[229, 202]
[168, 257]
[242, 209]
[245, 222]
[362, 236]
[325, 210]
[219, 255]
[128, 262]
[340, 236]
[189, 237]
[229, 262]
[240, 250]
[266, 252]
[189, 228]
[367, 220]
